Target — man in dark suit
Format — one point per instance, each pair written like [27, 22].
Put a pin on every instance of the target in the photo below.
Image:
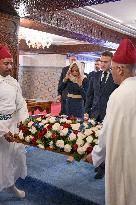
[97, 68]
[101, 86]
[63, 95]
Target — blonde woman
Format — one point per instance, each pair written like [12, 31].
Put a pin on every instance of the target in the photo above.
[76, 84]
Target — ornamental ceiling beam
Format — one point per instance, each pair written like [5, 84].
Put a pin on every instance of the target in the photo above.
[68, 24]
[61, 49]
[50, 5]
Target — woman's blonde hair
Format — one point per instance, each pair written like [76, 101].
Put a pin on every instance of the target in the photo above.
[80, 67]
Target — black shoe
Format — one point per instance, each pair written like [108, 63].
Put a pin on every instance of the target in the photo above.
[100, 173]
[96, 169]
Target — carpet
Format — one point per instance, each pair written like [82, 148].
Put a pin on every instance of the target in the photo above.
[52, 181]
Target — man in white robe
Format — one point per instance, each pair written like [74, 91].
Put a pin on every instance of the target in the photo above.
[13, 109]
[117, 141]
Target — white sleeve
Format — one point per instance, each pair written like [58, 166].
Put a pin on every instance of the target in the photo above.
[21, 107]
[3, 129]
[99, 151]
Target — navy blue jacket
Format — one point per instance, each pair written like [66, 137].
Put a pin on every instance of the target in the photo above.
[63, 75]
[98, 96]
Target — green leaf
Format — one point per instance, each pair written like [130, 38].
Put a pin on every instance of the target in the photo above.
[39, 141]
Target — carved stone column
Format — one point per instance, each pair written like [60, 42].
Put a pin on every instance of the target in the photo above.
[8, 36]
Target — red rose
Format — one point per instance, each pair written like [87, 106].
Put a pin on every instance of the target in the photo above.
[24, 129]
[44, 131]
[66, 125]
[40, 135]
[34, 141]
[75, 132]
[54, 136]
[72, 118]
[89, 149]
[49, 127]
[74, 147]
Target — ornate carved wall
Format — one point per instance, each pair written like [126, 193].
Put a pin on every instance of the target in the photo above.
[8, 36]
[39, 82]
[39, 75]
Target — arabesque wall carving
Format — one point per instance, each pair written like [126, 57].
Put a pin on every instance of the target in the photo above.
[39, 82]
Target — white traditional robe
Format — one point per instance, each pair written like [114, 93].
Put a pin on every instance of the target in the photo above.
[12, 155]
[118, 142]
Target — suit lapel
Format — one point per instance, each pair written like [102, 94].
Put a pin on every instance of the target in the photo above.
[99, 81]
[105, 85]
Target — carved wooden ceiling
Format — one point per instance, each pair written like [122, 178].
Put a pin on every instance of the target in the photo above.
[52, 16]
[39, 6]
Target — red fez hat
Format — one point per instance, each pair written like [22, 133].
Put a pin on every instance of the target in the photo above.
[4, 52]
[125, 53]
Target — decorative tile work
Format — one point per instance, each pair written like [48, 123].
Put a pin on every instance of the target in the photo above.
[39, 82]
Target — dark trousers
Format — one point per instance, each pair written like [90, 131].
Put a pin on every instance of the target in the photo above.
[63, 107]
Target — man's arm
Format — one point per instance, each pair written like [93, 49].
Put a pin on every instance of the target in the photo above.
[21, 106]
[89, 97]
[99, 151]
[62, 76]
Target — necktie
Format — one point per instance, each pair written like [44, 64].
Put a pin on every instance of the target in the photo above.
[104, 78]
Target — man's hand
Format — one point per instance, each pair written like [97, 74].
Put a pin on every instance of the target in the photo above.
[86, 117]
[9, 137]
[89, 158]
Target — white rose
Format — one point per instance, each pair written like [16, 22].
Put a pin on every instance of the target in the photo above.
[62, 120]
[94, 129]
[79, 142]
[67, 148]
[85, 125]
[21, 136]
[33, 130]
[39, 119]
[40, 146]
[97, 133]
[93, 122]
[60, 143]
[51, 144]
[81, 150]
[96, 141]
[56, 127]
[64, 132]
[28, 138]
[48, 115]
[52, 120]
[48, 134]
[75, 126]
[86, 145]
[99, 126]
[46, 125]
[45, 121]
[72, 136]
[68, 121]
[64, 116]
[89, 139]
[41, 124]
[80, 135]
[30, 124]
[88, 132]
